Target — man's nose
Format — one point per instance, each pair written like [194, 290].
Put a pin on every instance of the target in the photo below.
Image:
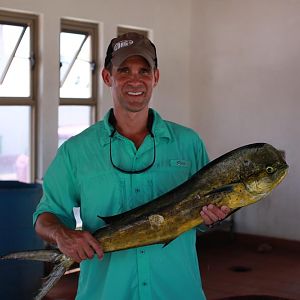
[135, 78]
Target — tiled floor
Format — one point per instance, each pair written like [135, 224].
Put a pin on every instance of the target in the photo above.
[252, 267]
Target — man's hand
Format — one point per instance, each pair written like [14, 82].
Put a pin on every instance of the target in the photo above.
[78, 245]
[212, 214]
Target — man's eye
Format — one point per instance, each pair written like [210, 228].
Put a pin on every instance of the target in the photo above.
[123, 70]
[146, 71]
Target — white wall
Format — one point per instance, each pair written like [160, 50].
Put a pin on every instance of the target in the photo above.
[169, 23]
[245, 88]
[229, 68]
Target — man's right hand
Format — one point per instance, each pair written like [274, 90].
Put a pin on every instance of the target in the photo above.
[76, 244]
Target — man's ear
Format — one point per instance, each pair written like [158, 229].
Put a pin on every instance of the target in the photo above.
[156, 77]
[106, 77]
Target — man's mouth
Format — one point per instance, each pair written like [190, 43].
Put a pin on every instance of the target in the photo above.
[135, 93]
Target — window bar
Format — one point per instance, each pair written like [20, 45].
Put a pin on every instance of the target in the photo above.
[3, 75]
[72, 62]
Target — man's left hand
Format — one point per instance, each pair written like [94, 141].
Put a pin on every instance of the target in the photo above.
[212, 214]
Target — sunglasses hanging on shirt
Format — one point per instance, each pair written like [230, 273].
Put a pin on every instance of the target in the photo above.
[112, 121]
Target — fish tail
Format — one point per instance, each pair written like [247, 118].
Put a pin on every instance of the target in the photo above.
[61, 262]
[39, 255]
[57, 272]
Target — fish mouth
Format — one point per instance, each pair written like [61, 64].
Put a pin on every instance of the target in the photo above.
[283, 173]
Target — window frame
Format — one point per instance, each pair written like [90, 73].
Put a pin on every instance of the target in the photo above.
[32, 21]
[83, 27]
[21, 19]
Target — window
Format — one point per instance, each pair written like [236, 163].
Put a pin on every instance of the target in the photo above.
[18, 90]
[78, 77]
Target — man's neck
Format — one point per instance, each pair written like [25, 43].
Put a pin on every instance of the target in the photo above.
[132, 125]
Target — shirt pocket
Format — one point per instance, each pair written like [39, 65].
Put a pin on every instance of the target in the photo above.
[102, 195]
[167, 176]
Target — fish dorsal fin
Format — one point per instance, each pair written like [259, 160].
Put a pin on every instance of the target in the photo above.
[111, 219]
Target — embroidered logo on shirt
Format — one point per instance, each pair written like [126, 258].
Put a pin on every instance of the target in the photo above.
[180, 163]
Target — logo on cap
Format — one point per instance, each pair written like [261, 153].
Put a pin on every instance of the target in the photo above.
[122, 44]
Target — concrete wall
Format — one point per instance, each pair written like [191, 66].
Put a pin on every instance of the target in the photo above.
[168, 22]
[245, 88]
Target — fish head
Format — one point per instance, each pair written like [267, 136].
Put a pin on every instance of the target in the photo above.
[263, 167]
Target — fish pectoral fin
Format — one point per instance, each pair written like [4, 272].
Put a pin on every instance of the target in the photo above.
[223, 189]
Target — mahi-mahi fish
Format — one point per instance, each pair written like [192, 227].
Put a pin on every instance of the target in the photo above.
[236, 179]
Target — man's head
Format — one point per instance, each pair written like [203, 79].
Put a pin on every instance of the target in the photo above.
[127, 45]
[131, 72]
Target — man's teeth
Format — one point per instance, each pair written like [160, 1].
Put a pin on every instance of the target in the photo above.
[135, 93]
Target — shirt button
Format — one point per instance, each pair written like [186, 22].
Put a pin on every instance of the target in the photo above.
[144, 283]
[142, 251]
[137, 190]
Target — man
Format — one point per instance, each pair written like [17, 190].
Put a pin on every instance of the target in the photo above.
[124, 161]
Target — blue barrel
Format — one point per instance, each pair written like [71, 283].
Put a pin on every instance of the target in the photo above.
[19, 279]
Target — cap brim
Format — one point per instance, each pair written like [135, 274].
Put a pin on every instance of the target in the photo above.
[118, 60]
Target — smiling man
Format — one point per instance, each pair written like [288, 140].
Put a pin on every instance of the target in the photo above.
[129, 158]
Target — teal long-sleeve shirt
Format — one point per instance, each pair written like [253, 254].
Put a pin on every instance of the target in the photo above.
[81, 175]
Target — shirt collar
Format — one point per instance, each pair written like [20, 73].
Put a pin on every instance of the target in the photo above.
[159, 128]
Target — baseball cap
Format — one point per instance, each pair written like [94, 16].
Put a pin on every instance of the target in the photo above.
[130, 44]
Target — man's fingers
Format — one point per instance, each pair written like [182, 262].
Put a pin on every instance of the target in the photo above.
[74, 255]
[225, 209]
[211, 213]
[88, 251]
[96, 248]
[205, 218]
[221, 213]
[82, 253]
[80, 245]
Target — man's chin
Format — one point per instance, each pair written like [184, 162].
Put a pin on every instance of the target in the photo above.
[137, 107]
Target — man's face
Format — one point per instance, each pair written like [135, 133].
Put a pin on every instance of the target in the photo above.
[131, 84]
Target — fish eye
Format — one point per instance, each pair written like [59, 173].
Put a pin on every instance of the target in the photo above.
[270, 170]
